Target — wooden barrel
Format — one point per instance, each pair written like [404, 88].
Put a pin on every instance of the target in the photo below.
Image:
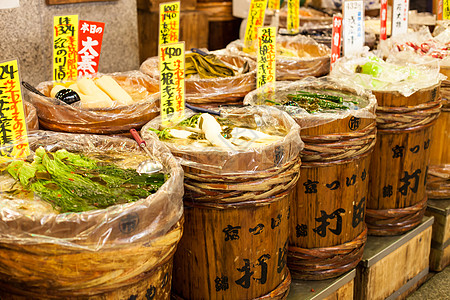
[311, 58]
[235, 239]
[438, 181]
[122, 252]
[213, 92]
[117, 120]
[400, 160]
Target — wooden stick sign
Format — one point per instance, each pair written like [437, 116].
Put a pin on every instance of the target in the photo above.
[171, 70]
[13, 128]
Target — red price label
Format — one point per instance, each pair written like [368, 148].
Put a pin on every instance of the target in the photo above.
[89, 46]
[336, 40]
[383, 19]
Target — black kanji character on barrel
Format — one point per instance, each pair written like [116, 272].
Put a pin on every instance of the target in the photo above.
[310, 186]
[322, 228]
[406, 182]
[221, 283]
[257, 229]
[275, 222]
[387, 191]
[415, 149]
[301, 230]
[350, 181]
[282, 257]
[262, 262]
[398, 151]
[426, 144]
[358, 212]
[231, 233]
[150, 293]
[244, 281]
[334, 185]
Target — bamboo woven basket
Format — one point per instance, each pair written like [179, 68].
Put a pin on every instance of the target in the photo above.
[234, 244]
[316, 63]
[217, 91]
[438, 181]
[121, 119]
[121, 252]
[327, 229]
[31, 117]
[400, 160]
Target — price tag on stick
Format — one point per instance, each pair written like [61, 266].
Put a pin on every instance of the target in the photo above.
[255, 19]
[336, 40]
[65, 47]
[399, 21]
[443, 10]
[169, 22]
[266, 55]
[171, 70]
[353, 30]
[13, 128]
[274, 5]
[293, 19]
[90, 38]
[383, 19]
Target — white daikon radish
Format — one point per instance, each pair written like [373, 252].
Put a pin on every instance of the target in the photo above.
[181, 134]
[88, 101]
[212, 130]
[56, 89]
[114, 90]
[88, 87]
[75, 88]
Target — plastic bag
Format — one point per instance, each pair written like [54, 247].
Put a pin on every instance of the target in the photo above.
[246, 159]
[215, 91]
[297, 57]
[370, 72]
[116, 226]
[56, 115]
[278, 93]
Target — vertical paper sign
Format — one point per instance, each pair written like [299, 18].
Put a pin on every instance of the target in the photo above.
[293, 19]
[13, 129]
[171, 70]
[353, 33]
[65, 47]
[90, 39]
[266, 55]
[169, 22]
[383, 19]
[336, 39]
[443, 10]
[255, 19]
[274, 5]
[400, 17]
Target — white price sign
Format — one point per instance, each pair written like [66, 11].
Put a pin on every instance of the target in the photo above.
[400, 10]
[353, 32]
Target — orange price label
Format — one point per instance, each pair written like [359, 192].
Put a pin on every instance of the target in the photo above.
[13, 128]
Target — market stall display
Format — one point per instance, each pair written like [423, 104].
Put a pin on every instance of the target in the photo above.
[214, 79]
[297, 57]
[79, 221]
[239, 169]
[107, 104]
[408, 106]
[327, 229]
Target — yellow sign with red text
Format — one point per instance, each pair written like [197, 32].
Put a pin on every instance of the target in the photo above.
[293, 19]
[274, 5]
[169, 22]
[171, 70]
[266, 55]
[255, 19]
[13, 128]
[65, 47]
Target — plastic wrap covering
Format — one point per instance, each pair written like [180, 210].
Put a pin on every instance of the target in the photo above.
[45, 255]
[214, 91]
[97, 229]
[31, 117]
[364, 109]
[56, 115]
[246, 159]
[371, 72]
[307, 15]
[297, 57]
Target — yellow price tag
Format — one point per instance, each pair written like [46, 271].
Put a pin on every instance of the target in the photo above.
[444, 10]
[293, 19]
[171, 70]
[266, 55]
[255, 19]
[169, 22]
[65, 48]
[13, 128]
[274, 4]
